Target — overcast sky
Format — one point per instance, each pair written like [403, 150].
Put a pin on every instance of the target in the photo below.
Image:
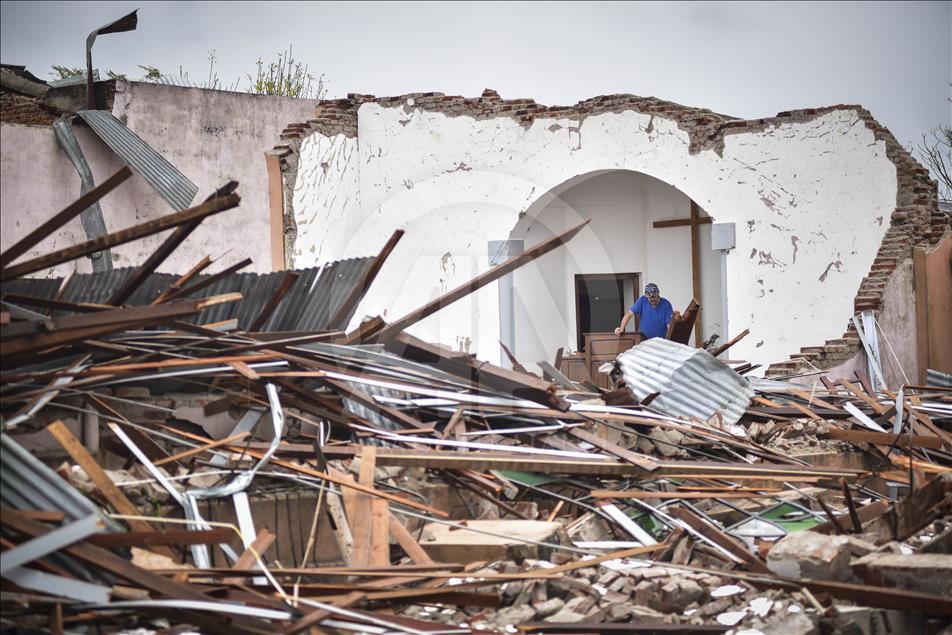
[746, 59]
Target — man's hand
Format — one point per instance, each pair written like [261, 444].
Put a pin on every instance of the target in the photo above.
[677, 315]
[617, 330]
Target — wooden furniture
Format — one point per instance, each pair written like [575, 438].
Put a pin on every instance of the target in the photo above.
[599, 348]
[605, 347]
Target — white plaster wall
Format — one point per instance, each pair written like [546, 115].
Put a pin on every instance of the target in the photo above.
[621, 207]
[210, 136]
[897, 334]
[325, 188]
[821, 190]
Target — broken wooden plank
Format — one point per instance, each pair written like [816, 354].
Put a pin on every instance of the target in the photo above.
[517, 384]
[915, 512]
[644, 462]
[200, 266]
[726, 345]
[97, 475]
[70, 212]
[211, 445]
[250, 557]
[349, 305]
[206, 282]
[169, 538]
[716, 535]
[121, 237]
[477, 283]
[359, 512]
[289, 279]
[407, 542]
[884, 438]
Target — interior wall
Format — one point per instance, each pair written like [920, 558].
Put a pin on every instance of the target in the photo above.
[621, 206]
[933, 292]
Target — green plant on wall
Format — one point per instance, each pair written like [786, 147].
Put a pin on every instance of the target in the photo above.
[286, 77]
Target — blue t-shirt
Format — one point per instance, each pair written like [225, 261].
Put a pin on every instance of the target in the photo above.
[654, 319]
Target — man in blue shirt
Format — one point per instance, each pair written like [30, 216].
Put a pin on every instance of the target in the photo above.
[654, 314]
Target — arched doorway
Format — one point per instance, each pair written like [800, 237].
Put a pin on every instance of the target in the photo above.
[639, 232]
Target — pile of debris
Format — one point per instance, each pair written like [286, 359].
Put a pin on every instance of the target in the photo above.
[225, 473]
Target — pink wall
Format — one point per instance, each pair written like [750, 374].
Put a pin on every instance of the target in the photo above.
[210, 136]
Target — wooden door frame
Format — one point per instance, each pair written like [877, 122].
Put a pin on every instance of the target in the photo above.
[636, 285]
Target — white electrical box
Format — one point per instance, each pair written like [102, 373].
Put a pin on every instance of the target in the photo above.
[723, 236]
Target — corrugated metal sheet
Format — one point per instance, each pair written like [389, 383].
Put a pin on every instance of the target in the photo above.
[173, 186]
[692, 382]
[938, 378]
[26, 483]
[308, 306]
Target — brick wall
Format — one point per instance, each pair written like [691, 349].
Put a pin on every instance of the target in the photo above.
[916, 219]
[17, 108]
[26, 110]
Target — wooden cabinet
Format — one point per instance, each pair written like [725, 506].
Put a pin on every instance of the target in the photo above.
[599, 348]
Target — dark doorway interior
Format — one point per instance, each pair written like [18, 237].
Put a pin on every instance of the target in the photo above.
[600, 301]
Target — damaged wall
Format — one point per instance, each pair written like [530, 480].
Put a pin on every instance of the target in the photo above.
[811, 195]
[619, 239]
[210, 136]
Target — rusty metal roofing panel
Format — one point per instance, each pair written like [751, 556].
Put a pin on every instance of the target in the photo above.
[287, 315]
[692, 382]
[336, 281]
[46, 288]
[173, 186]
[307, 306]
[26, 483]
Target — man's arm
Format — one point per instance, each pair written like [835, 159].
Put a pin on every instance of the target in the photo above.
[624, 322]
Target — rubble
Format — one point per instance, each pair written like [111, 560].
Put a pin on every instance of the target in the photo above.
[218, 473]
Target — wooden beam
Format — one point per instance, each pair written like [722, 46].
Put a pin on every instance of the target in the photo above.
[70, 212]
[884, 438]
[360, 289]
[729, 543]
[726, 345]
[696, 268]
[201, 284]
[517, 384]
[208, 446]
[200, 266]
[58, 305]
[147, 268]
[407, 542]
[121, 237]
[477, 283]
[359, 512]
[103, 559]
[289, 279]
[76, 328]
[97, 475]
[249, 558]
[174, 537]
[646, 494]
[681, 222]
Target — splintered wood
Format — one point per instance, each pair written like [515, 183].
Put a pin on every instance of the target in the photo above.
[315, 480]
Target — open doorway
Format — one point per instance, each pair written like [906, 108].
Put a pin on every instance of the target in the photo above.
[600, 301]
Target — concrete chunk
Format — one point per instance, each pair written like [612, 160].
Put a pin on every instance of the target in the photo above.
[928, 573]
[448, 544]
[816, 556]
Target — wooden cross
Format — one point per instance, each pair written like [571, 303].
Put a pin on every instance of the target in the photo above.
[695, 221]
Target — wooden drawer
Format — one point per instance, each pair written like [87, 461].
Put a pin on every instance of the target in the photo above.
[573, 367]
[612, 347]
